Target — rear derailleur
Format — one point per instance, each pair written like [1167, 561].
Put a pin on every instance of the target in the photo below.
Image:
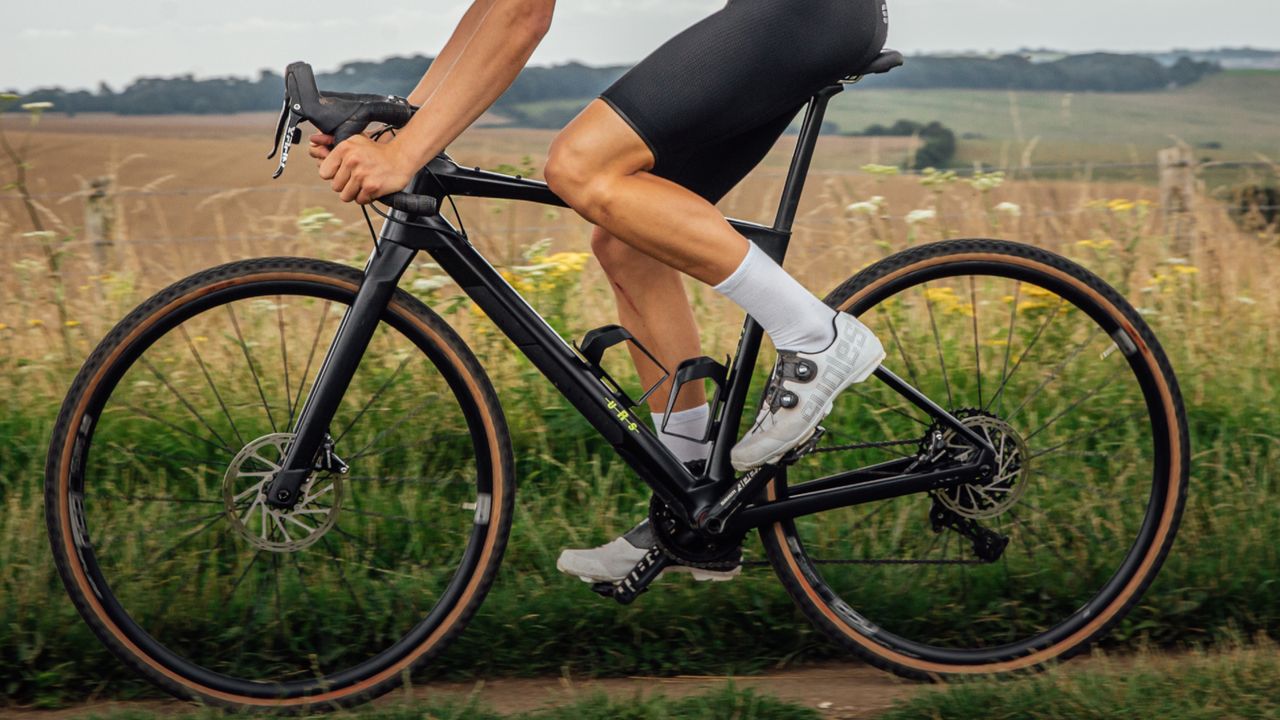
[988, 545]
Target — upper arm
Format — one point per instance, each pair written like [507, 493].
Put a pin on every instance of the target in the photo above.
[536, 13]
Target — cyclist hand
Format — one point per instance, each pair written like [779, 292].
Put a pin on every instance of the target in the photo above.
[363, 170]
[322, 144]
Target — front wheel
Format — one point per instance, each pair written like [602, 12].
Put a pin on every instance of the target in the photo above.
[178, 421]
[1072, 389]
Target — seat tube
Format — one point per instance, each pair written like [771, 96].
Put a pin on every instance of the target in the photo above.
[810, 129]
[382, 275]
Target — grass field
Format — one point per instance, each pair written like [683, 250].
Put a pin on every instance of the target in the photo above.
[1218, 299]
[1235, 109]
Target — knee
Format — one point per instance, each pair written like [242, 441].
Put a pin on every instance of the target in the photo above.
[612, 254]
[574, 174]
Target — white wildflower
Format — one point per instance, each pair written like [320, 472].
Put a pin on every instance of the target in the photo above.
[1243, 300]
[1010, 209]
[918, 216]
[430, 284]
[866, 207]
[37, 106]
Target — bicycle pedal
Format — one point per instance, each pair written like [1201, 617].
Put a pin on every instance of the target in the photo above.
[626, 590]
[805, 447]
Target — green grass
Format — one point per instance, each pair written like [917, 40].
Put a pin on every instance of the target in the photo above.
[1219, 581]
[1239, 684]
[728, 703]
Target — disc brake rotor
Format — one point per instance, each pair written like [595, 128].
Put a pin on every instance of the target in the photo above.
[244, 497]
[999, 490]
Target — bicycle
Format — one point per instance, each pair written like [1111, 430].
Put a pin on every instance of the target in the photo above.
[192, 468]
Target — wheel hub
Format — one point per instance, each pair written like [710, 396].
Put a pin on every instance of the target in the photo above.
[244, 496]
[999, 488]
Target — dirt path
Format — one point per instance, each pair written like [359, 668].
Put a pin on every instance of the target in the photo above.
[838, 691]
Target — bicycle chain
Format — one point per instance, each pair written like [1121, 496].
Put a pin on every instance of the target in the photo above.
[865, 446]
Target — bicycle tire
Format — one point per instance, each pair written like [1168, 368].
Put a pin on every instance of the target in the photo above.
[914, 657]
[77, 423]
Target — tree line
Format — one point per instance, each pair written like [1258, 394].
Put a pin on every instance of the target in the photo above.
[1099, 72]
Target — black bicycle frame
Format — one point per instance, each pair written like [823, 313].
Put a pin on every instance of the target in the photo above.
[711, 502]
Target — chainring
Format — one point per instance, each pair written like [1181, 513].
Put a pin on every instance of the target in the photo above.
[688, 547]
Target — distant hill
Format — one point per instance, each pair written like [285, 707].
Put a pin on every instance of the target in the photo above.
[1098, 72]
[1245, 58]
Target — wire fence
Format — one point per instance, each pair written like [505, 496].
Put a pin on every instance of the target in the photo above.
[816, 224]
[959, 170]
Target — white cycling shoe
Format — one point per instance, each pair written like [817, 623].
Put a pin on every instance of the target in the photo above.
[612, 561]
[802, 390]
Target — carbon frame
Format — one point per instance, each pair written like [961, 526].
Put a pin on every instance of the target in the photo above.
[714, 502]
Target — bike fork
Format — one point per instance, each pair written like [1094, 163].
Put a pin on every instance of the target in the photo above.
[382, 275]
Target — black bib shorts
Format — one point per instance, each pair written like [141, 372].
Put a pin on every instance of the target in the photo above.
[713, 100]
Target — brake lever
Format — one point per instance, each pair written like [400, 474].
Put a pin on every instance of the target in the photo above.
[287, 133]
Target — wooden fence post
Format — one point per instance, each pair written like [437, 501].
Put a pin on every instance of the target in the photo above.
[1178, 190]
[100, 221]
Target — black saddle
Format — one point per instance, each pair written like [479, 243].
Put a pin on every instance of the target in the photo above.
[883, 63]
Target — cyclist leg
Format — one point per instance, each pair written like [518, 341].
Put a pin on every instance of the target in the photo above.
[739, 68]
[652, 304]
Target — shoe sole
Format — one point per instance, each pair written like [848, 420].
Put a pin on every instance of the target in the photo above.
[854, 378]
[699, 575]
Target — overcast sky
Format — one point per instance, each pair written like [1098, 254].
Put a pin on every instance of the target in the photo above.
[75, 43]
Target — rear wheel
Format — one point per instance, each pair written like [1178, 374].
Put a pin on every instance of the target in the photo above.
[1072, 389]
[176, 424]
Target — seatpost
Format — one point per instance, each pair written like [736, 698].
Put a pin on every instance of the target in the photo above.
[810, 129]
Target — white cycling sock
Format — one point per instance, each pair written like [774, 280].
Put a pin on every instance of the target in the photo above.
[691, 422]
[794, 319]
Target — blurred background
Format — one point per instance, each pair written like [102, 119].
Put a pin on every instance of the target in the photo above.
[1140, 139]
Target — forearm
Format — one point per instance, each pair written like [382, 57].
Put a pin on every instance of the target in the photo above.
[502, 43]
[452, 50]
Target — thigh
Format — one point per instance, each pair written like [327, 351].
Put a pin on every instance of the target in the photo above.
[713, 169]
[742, 68]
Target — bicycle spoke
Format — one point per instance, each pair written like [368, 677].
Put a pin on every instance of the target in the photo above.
[937, 341]
[306, 370]
[892, 408]
[1089, 434]
[1106, 382]
[284, 360]
[373, 399]
[145, 498]
[394, 425]
[1025, 353]
[184, 431]
[977, 358]
[1008, 342]
[1055, 373]
[902, 352]
[253, 370]
[187, 459]
[209, 379]
[194, 413]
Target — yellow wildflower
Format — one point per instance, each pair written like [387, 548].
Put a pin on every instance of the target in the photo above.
[1121, 205]
[72, 323]
[1186, 269]
[3, 327]
[1037, 291]
[35, 322]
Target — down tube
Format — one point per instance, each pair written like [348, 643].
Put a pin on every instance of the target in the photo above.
[629, 436]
